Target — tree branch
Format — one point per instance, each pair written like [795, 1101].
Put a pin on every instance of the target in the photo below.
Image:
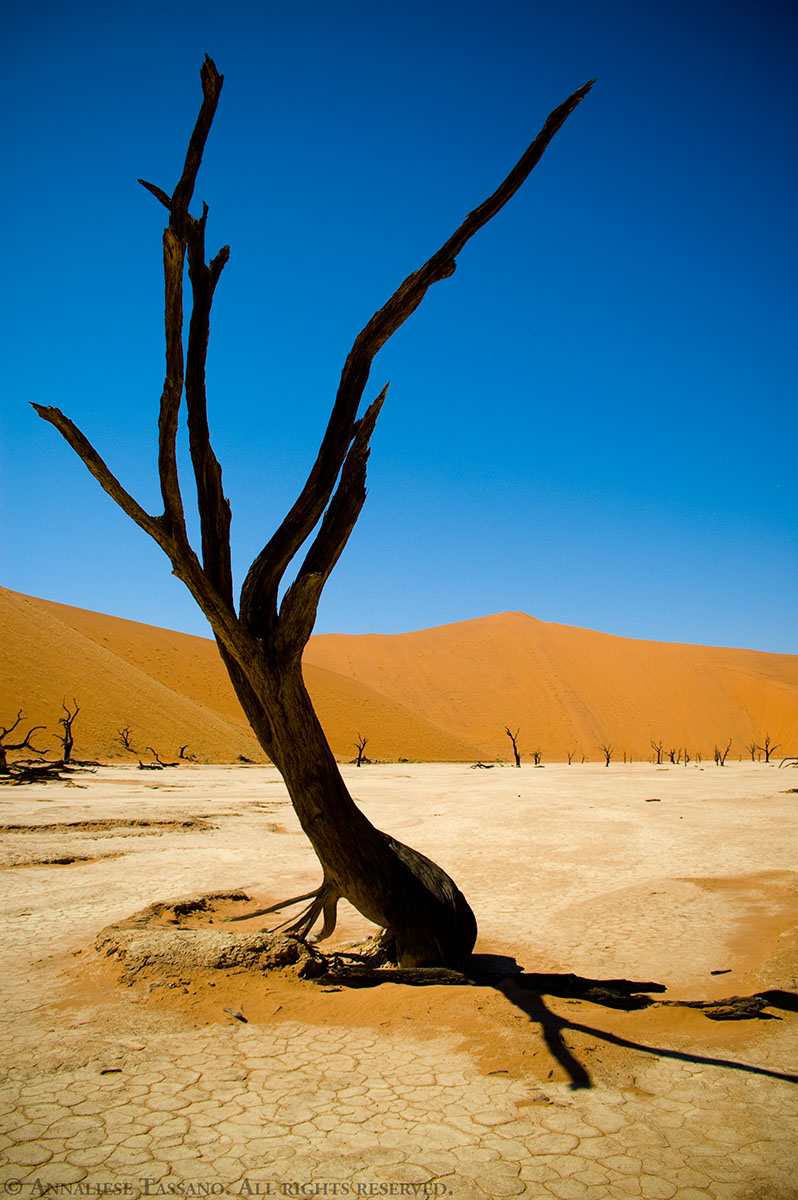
[211, 90]
[108, 482]
[158, 193]
[259, 593]
[11, 728]
[298, 609]
[169, 413]
[214, 507]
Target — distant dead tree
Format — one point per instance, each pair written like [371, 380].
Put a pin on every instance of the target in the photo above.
[720, 755]
[607, 752]
[25, 744]
[68, 721]
[183, 753]
[125, 738]
[514, 739]
[752, 748]
[159, 761]
[536, 757]
[360, 746]
[570, 756]
[768, 747]
[426, 917]
[657, 748]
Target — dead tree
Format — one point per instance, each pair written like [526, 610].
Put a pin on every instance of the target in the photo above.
[514, 739]
[68, 721]
[607, 752]
[360, 746]
[657, 748]
[570, 754]
[720, 755]
[752, 748]
[768, 747]
[159, 762]
[536, 757]
[25, 744]
[426, 918]
[125, 738]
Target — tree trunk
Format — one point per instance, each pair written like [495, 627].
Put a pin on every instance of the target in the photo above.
[391, 884]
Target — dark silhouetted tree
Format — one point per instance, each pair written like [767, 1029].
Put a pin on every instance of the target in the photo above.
[657, 748]
[607, 752]
[360, 746]
[768, 747]
[721, 755]
[159, 761]
[125, 738]
[25, 744]
[426, 918]
[68, 720]
[514, 739]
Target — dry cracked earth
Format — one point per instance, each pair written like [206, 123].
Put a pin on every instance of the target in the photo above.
[678, 885]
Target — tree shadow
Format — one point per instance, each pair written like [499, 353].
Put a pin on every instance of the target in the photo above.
[526, 990]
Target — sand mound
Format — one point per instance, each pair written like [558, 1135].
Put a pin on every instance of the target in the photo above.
[443, 694]
[573, 689]
[171, 690]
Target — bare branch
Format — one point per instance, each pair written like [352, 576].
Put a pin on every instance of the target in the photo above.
[259, 593]
[23, 745]
[214, 593]
[298, 610]
[173, 260]
[211, 90]
[4, 732]
[158, 193]
[214, 507]
[107, 481]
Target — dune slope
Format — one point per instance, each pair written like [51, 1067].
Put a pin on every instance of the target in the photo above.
[172, 690]
[443, 694]
[571, 689]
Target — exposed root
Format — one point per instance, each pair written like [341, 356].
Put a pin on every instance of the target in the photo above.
[324, 900]
[38, 772]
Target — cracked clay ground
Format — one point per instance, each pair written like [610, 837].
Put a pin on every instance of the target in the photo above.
[680, 877]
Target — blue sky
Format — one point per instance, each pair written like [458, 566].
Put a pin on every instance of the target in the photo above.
[593, 421]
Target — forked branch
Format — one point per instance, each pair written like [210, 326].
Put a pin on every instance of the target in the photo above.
[259, 594]
[298, 609]
[334, 491]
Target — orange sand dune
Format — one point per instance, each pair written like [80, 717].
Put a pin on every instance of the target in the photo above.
[574, 689]
[172, 690]
[443, 694]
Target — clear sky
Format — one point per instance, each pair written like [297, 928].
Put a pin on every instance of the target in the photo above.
[593, 421]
